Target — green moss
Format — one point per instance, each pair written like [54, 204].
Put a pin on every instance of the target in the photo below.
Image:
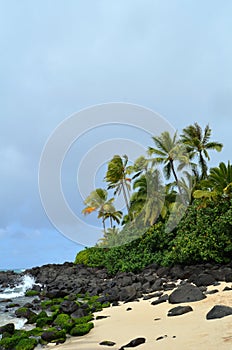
[84, 319]
[46, 304]
[96, 306]
[11, 342]
[31, 293]
[106, 304]
[42, 314]
[26, 313]
[52, 335]
[81, 329]
[54, 308]
[44, 321]
[26, 344]
[64, 321]
[35, 332]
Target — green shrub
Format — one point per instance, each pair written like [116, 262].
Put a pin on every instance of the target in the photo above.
[203, 236]
[82, 257]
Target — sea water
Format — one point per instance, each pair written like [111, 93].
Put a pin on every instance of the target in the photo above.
[17, 295]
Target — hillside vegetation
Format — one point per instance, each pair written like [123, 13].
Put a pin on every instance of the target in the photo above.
[185, 220]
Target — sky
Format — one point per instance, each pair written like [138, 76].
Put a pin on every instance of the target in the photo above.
[61, 57]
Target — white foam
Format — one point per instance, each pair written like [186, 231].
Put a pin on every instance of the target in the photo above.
[19, 290]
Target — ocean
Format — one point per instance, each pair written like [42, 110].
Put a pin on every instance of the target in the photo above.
[16, 295]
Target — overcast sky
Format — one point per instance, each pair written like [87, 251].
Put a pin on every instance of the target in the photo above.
[58, 57]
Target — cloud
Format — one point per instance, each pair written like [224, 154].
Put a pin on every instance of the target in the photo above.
[58, 57]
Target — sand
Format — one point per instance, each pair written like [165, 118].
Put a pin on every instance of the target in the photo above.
[188, 331]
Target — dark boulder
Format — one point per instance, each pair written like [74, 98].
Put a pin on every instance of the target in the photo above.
[133, 343]
[8, 328]
[186, 293]
[160, 300]
[107, 343]
[203, 279]
[68, 307]
[219, 311]
[179, 310]
[79, 313]
[169, 286]
[55, 293]
[54, 335]
[157, 285]
[128, 293]
[26, 313]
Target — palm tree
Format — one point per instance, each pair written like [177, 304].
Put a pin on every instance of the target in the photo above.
[110, 238]
[168, 151]
[117, 177]
[113, 215]
[197, 144]
[98, 201]
[218, 183]
[147, 202]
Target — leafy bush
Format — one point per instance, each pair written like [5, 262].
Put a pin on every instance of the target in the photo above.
[203, 235]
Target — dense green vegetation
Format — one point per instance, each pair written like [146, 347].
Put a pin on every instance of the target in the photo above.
[186, 220]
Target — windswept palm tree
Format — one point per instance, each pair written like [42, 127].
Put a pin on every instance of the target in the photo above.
[198, 144]
[169, 151]
[98, 201]
[117, 177]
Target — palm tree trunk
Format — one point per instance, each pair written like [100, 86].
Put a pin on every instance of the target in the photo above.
[203, 165]
[176, 179]
[104, 225]
[124, 195]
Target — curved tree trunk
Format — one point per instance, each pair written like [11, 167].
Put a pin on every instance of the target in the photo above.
[203, 166]
[177, 181]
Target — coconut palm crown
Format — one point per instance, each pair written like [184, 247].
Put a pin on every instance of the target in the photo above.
[197, 144]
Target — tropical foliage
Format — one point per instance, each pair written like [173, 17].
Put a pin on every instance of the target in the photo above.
[197, 144]
[97, 201]
[185, 219]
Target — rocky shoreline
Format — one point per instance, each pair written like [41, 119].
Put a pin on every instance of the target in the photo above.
[67, 296]
[68, 278]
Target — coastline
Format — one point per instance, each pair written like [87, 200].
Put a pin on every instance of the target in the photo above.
[189, 331]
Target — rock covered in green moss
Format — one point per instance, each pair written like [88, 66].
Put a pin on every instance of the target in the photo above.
[26, 344]
[81, 329]
[26, 313]
[7, 328]
[64, 321]
[31, 293]
[52, 335]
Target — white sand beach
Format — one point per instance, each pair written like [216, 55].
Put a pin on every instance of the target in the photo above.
[188, 331]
